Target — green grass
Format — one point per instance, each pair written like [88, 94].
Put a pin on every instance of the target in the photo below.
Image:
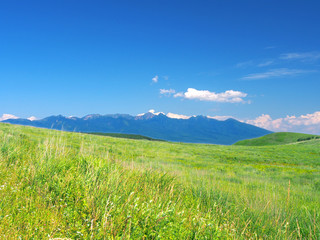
[123, 135]
[69, 185]
[278, 138]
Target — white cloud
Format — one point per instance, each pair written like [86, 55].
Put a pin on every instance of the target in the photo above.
[281, 72]
[155, 79]
[309, 123]
[230, 96]
[167, 91]
[179, 94]
[8, 116]
[264, 121]
[177, 116]
[306, 56]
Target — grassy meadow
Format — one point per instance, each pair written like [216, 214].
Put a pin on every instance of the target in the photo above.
[278, 138]
[79, 186]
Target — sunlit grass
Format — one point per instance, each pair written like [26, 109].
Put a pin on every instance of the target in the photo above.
[57, 184]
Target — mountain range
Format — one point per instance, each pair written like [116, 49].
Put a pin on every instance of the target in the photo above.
[196, 129]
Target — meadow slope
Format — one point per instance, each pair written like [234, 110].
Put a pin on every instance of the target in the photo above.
[278, 138]
[71, 185]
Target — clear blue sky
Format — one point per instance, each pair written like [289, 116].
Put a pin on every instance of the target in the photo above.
[79, 57]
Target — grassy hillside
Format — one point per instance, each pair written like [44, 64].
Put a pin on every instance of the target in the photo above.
[69, 185]
[123, 135]
[277, 139]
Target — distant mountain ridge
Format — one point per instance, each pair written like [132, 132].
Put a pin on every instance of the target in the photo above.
[196, 129]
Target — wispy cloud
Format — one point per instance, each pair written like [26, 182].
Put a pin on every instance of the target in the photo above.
[179, 94]
[306, 56]
[280, 72]
[167, 91]
[270, 47]
[155, 79]
[244, 64]
[252, 63]
[230, 96]
[265, 64]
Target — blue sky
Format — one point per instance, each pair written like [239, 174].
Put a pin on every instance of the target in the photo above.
[245, 59]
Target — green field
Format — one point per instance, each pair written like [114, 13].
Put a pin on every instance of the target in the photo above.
[278, 138]
[57, 184]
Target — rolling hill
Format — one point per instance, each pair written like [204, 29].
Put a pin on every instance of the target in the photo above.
[278, 138]
[56, 184]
